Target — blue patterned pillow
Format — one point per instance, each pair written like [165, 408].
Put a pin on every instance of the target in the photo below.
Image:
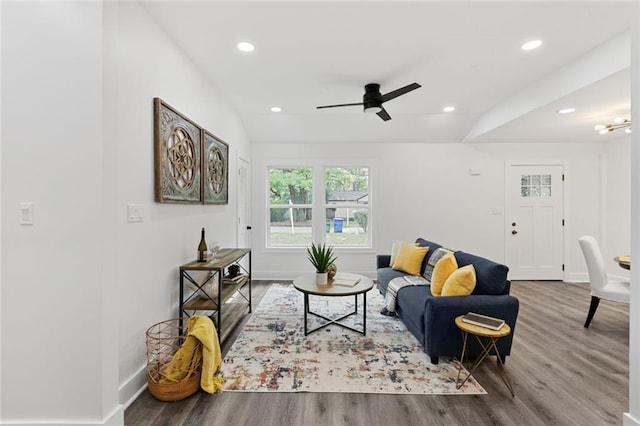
[437, 255]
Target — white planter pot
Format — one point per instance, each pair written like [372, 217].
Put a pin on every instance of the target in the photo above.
[321, 278]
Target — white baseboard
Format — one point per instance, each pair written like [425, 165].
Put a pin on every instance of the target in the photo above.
[576, 278]
[584, 278]
[133, 387]
[629, 420]
[115, 418]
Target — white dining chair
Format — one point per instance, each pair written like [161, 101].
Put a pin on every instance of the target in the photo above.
[602, 287]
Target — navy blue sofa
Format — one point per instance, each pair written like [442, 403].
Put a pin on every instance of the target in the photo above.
[432, 319]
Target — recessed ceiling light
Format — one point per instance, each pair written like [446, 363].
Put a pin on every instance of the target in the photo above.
[566, 110]
[276, 109]
[449, 108]
[245, 46]
[530, 45]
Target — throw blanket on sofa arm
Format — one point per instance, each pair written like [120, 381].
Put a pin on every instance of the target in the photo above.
[395, 285]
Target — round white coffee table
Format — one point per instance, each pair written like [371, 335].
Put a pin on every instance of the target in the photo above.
[307, 285]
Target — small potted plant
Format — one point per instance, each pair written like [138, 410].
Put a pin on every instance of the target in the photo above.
[321, 257]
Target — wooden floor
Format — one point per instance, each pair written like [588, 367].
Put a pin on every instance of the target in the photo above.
[562, 373]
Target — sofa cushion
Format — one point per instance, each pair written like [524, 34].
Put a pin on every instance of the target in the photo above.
[433, 260]
[443, 269]
[491, 277]
[461, 282]
[395, 248]
[409, 258]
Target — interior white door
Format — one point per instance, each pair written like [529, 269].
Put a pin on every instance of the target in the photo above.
[534, 221]
[244, 204]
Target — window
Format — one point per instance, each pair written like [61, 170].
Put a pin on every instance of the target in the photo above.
[347, 206]
[339, 217]
[290, 207]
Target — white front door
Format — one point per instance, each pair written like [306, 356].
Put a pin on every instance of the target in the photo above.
[534, 221]
[244, 205]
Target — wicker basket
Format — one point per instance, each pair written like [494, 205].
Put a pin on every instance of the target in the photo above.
[163, 341]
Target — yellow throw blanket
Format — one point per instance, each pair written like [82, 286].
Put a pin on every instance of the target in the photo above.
[201, 344]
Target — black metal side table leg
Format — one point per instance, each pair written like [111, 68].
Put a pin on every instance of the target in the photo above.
[364, 313]
[306, 311]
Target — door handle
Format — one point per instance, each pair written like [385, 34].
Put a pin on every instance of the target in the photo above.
[249, 227]
[514, 232]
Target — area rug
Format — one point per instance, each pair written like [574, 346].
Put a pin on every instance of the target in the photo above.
[272, 354]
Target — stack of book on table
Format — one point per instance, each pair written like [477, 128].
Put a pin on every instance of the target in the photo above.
[235, 280]
[346, 281]
[483, 321]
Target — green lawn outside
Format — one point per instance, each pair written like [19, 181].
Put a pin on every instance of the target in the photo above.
[351, 236]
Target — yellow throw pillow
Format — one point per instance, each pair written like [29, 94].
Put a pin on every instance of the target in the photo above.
[446, 266]
[461, 282]
[409, 258]
[394, 250]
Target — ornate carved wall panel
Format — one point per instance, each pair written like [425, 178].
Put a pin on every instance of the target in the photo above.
[215, 169]
[177, 155]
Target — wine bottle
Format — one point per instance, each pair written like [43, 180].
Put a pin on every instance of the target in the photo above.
[202, 248]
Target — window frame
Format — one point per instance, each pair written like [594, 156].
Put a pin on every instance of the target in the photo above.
[326, 205]
[286, 206]
[318, 205]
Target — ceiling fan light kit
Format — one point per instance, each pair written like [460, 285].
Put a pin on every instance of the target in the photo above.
[372, 99]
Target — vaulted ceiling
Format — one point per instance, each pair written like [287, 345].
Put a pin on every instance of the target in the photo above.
[465, 54]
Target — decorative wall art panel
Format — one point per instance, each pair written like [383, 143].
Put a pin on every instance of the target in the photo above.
[177, 155]
[215, 169]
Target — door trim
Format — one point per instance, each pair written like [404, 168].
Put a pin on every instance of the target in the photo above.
[543, 163]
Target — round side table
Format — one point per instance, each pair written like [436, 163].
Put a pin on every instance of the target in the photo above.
[490, 338]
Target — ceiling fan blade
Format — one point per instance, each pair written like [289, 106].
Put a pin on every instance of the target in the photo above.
[384, 114]
[401, 91]
[339, 105]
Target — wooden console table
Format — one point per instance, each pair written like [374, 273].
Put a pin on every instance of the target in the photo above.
[210, 274]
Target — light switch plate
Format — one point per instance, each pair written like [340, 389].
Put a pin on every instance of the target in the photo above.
[26, 213]
[135, 213]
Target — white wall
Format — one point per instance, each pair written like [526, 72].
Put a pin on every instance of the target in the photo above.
[426, 190]
[81, 286]
[616, 206]
[52, 276]
[149, 253]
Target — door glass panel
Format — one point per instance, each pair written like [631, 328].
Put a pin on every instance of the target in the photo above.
[535, 185]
